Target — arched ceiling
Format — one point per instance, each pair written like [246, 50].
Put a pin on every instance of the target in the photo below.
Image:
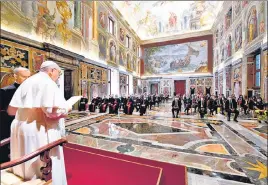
[155, 19]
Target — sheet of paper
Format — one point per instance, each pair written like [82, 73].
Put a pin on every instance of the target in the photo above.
[73, 100]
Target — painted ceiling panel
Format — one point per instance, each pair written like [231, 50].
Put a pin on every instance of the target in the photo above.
[154, 19]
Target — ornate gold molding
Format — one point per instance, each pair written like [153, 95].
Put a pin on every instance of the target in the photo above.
[95, 21]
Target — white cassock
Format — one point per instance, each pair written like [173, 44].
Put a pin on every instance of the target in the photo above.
[35, 125]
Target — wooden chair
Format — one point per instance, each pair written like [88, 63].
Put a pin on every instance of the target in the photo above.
[8, 178]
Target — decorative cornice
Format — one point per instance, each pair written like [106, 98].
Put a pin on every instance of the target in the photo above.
[175, 37]
[53, 48]
[20, 39]
[253, 46]
[89, 61]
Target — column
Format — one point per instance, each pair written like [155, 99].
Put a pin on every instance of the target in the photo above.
[130, 83]
[114, 82]
[224, 82]
[244, 76]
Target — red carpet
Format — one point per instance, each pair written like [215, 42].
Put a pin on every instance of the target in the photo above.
[171, 174]
[84, 168]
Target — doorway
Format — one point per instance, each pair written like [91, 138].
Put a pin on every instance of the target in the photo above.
[68, 87]
[180, 87]
[154, 88]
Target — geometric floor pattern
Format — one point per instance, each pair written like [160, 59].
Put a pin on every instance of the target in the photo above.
[221, 151]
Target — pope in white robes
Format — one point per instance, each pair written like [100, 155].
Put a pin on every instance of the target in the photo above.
[39, 109]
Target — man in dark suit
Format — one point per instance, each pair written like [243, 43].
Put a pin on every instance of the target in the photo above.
[202, 106]
[20, 75]
[231, 107]
[143, 105]
[176, 106]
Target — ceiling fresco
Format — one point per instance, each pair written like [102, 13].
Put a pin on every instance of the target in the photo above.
[154, 19]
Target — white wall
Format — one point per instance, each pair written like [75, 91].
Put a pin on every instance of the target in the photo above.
[114, 82]
[130, 84]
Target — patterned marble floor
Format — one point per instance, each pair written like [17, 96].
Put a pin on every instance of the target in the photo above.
[212, 149]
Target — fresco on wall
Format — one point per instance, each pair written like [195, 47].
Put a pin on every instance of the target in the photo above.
[252, 24]
[228, 74]
[112, 50]
[228, 19]
[102, 17]
[237, 73]
[128, 62]
[134, 47]
[229, 46]
[237, 8]
[38, 58]
[48, 21]
[134, 64]
[221, 31]
[122, 34]
[238, 37]
[177, 58]
[122, 61]
[222, 52]
[262, 18]
[244, 4]
[149, 21]
[102, 46]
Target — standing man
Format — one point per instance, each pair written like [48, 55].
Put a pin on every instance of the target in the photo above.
[202, 106]
[40, 109]
[176, 106]
[20, 75]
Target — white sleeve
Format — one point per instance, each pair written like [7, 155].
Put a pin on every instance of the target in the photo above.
[49, 113]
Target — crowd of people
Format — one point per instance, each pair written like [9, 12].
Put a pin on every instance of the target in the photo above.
[195, 103]
[127, 104]
[33, 108]
[207, 104]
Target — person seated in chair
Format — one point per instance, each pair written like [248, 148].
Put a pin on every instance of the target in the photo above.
[150, 100]
[123, 102]
[242, 104]
[202, 106]
[231, 107]
[138, 103]
[92, 106]
[113, 107]
[111, 99]
[176, 106]
[157, 100]
[194, 103]
[211, 105]
[104, 105]
[129, 106]
[144, 105]
[82, 103]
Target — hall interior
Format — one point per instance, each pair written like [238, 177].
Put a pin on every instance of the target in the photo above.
[134, 49]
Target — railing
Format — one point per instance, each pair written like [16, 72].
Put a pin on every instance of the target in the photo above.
[44, 156]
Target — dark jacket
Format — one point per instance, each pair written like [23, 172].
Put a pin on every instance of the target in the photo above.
[6, 120]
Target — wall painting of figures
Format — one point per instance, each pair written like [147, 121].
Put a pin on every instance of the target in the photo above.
[187, 57]
[102, 47]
